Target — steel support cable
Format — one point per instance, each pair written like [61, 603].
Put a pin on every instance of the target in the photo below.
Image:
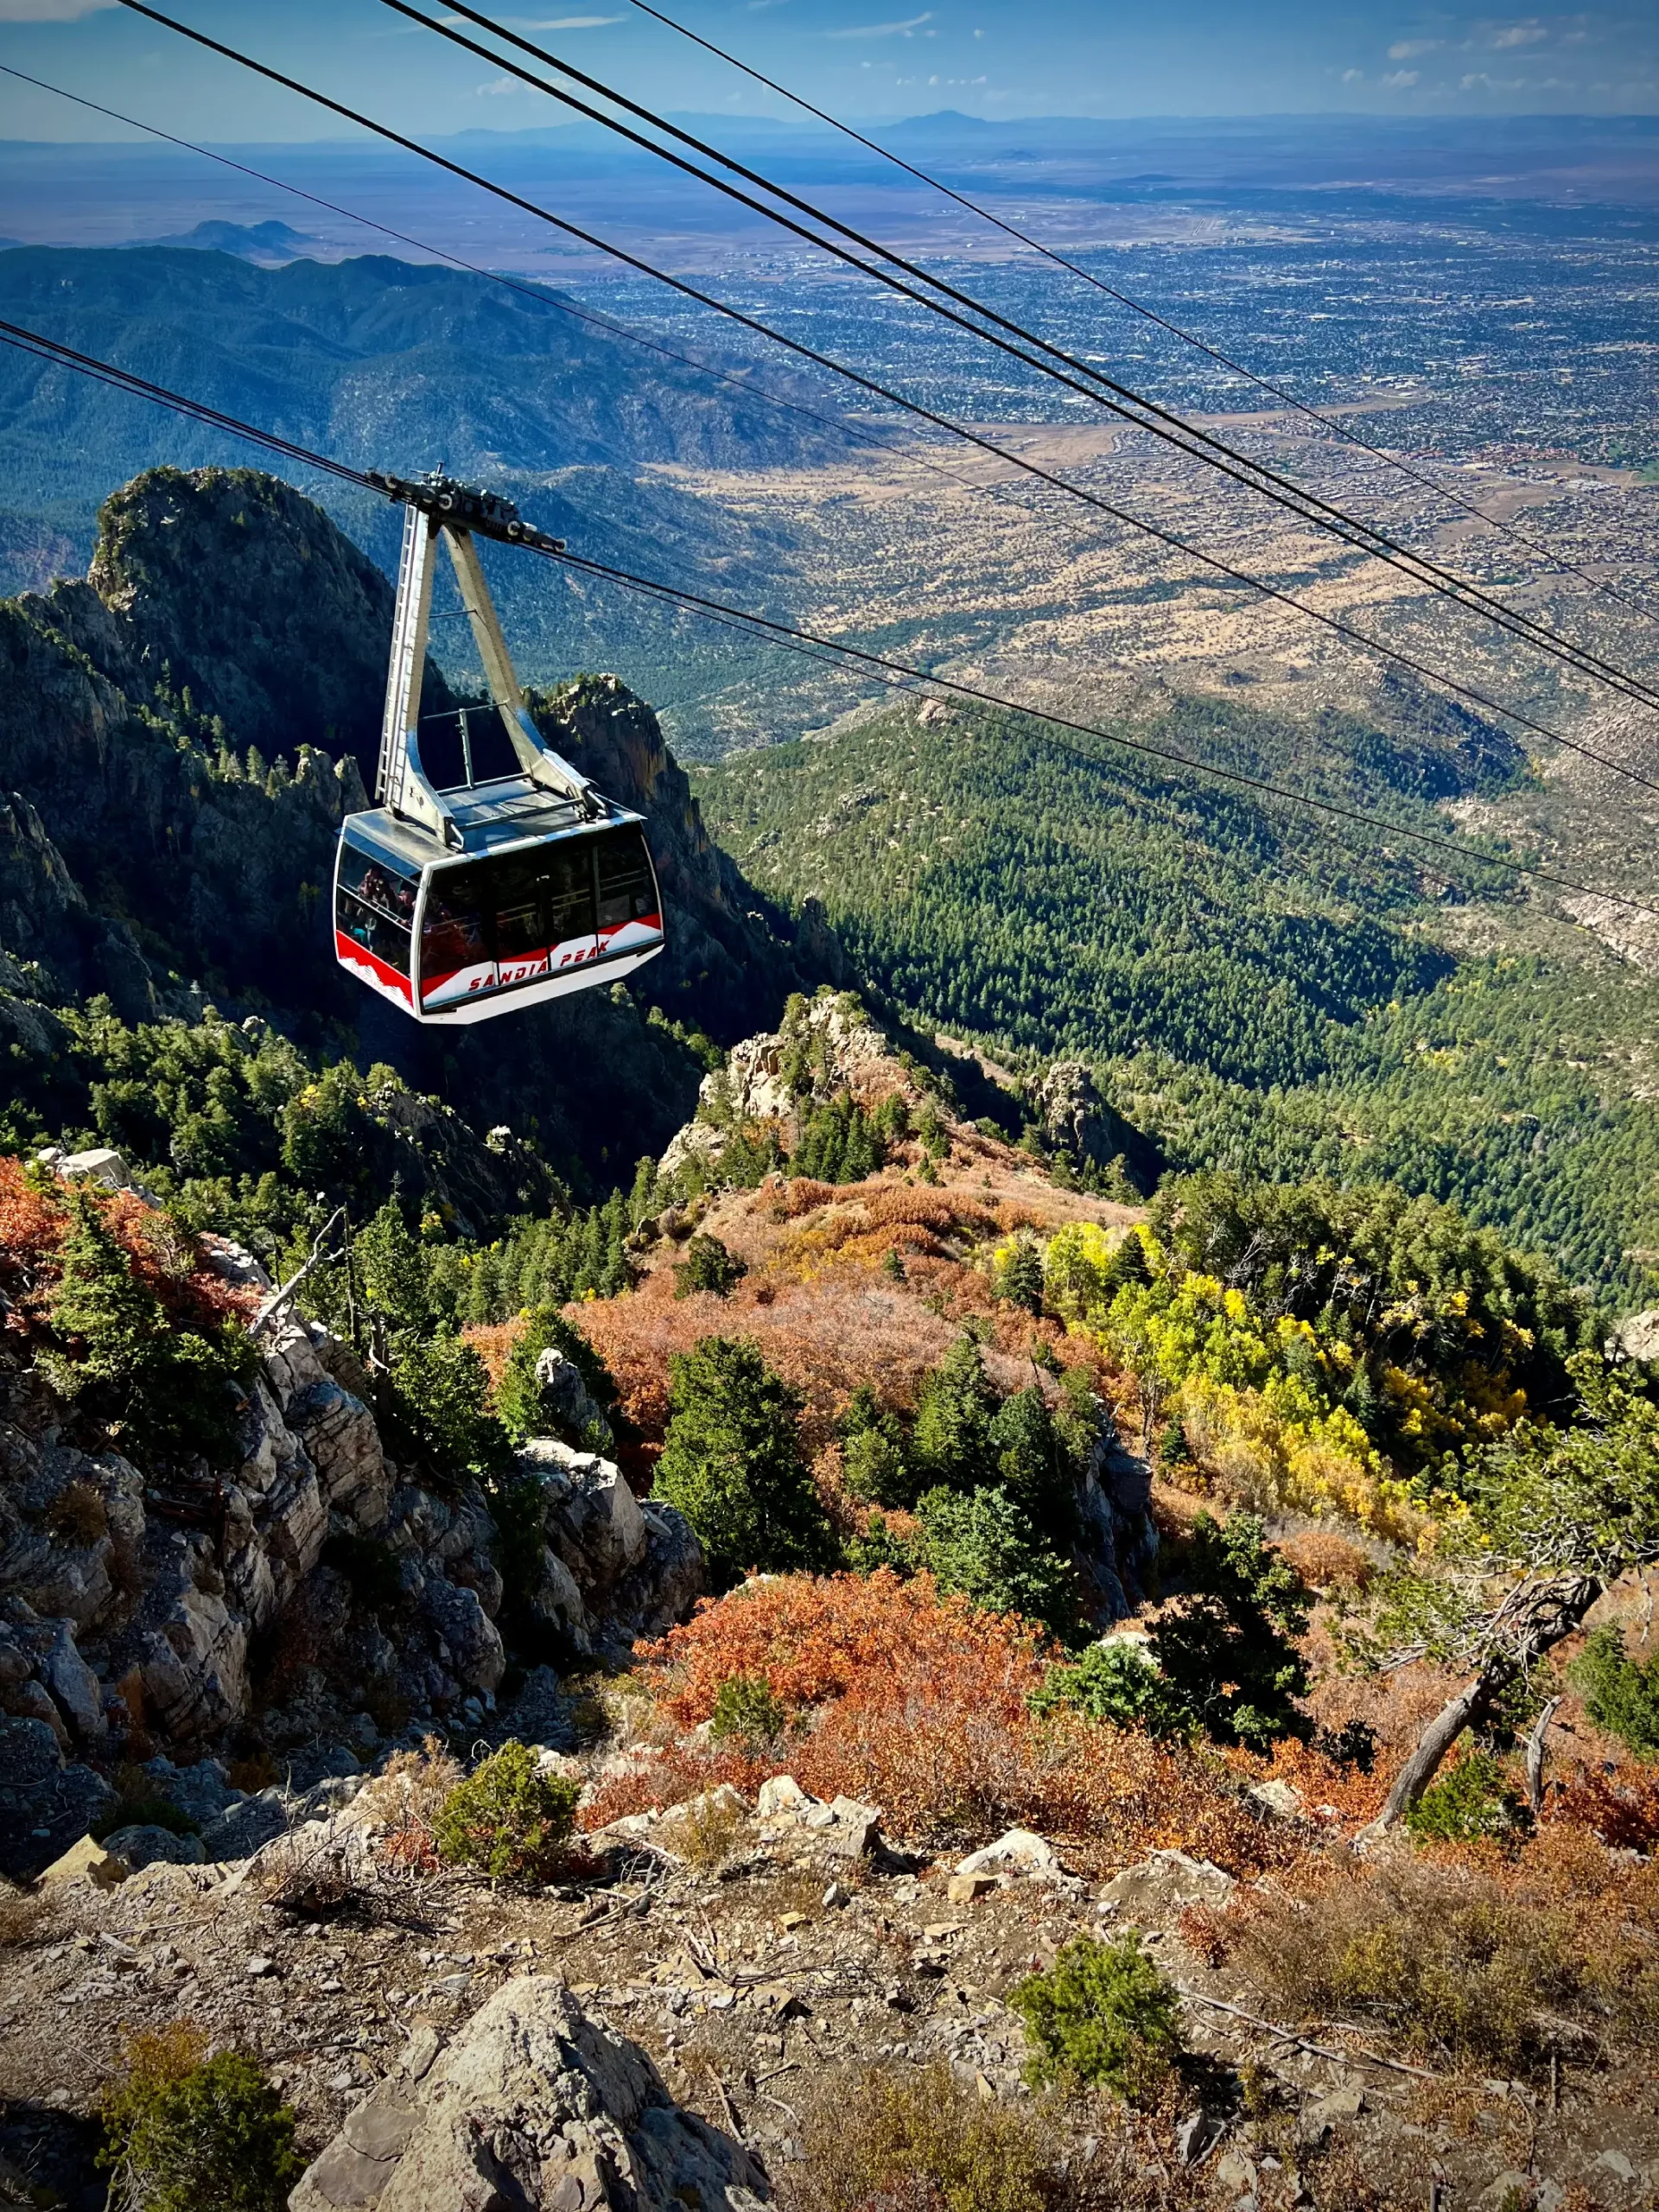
[769, 628]
[1014, 459]
[1139, 307]
[1098, 388]
[855, 433]
[912, 678]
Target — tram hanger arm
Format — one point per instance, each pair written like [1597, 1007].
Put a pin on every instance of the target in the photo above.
[537, 759]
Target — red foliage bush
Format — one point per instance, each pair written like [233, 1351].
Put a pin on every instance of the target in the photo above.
[919, 1703]
[34, 1219]
[32, 1224]
[1620, 1808]
[670, 1777]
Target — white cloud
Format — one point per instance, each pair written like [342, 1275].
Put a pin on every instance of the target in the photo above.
[884, 30]
[1353, 76]
[1408, 49]
[1402, 80]
[1526, 34]
[49, 11]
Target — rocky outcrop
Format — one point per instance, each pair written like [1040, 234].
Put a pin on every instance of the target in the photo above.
[613, 1567]
[194, 573]
[538, 2104]
[133, 1607]
[826, 1045]
[1074, 1119]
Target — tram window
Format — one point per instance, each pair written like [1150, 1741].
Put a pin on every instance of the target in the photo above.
[375, 906]
[452, 933]
[626, 892]
[515, 893]
[569, 881]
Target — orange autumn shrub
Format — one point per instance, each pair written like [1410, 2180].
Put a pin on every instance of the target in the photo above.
[1354, 1797]
[493, 1342]
[32, 1225]
[656, 1780]
[1620, 1808]
[814, 1639]
[920, 1704]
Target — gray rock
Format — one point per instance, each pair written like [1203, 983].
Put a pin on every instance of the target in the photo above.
[144, 1845]
[665, 1584]
[1019, 1852]
[1167, 1879]
[540, 2106]
[593, 1519]
[470, 1643]
[339, 1434]
[76, 1688]
[1636, 1337]
[30, 1759]
[203, 1791]
[570, 1410]
[246, 1828]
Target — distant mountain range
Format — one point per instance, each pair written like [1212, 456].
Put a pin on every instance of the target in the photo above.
[265, 244]
[386, 365]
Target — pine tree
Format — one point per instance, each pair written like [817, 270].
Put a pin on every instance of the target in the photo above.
[732, 1463]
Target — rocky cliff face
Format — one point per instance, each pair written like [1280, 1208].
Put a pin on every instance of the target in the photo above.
[245, 593]
[318, 1582]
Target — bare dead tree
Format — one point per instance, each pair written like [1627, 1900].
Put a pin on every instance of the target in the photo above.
[1531, 1620]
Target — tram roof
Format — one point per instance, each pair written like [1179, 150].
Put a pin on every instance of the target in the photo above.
[499, 816]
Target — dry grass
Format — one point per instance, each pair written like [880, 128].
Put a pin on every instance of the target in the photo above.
[23, 1917]
[405, 1799]
[1327, 1562]
[77, 1515]
[896, 2139]
[1463, 1955]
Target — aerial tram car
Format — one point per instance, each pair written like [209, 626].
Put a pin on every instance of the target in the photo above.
[460, 903]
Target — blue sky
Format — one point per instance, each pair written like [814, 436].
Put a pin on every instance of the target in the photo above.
[992, 57]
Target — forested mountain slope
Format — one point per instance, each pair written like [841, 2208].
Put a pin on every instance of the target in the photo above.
[1255, 992]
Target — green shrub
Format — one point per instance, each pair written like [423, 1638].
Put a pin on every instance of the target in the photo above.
[1018, 1279]
[1104, 2013]
[874, 1464]
[443, 1392]
[1116, 1682]
[747, 1711]
[732, 1462]
[170, 1390]
[708, 1266]
[1473, 1798]
[985, 1546]
[838, 1143]
[509, 1818]
[1620, 1695]
[184, 2132]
